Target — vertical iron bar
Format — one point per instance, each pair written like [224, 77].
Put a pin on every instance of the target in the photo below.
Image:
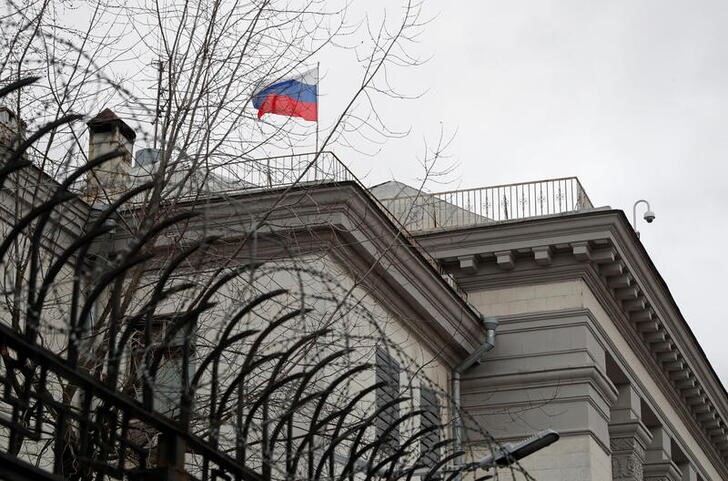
[124, 442]
[514, 212]
[553, 198]
[42, 381]
[480, 203]
[86, 395]
[59, 442]
[521, 200]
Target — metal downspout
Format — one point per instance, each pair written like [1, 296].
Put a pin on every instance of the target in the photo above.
[490, 324]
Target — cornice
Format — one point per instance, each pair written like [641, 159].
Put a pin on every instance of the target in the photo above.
[387, 290]
[343, 220]
[602, 249]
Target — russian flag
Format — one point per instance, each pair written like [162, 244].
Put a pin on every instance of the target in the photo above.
[293, 97]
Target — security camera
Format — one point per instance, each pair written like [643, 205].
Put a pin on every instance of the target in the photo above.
[649, 216]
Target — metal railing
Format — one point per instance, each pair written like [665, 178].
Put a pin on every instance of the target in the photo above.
[192, 178]
[484, 205]
[279, 171]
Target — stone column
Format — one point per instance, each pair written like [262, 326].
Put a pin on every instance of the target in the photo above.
[659, 465]
[628, 436]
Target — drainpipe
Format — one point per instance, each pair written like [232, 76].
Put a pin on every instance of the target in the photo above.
[490, 324]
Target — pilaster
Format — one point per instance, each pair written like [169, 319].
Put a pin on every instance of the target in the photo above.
[628, 436]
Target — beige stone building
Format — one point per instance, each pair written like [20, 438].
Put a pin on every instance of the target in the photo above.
[591, 342]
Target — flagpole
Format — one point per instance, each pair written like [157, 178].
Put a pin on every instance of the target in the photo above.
[318, 112]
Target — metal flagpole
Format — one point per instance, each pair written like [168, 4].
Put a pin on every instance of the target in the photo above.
[160, 70]
[318, 85]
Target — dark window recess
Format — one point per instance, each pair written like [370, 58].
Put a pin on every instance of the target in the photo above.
[387, 370]
[430, 404]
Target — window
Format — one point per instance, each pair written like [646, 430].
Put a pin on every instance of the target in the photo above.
[387, 371]
[430, 404]
[167, 389]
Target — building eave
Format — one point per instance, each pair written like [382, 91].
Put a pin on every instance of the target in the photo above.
[345, 216]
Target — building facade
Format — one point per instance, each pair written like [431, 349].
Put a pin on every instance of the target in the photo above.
[320, 285]
[591, 342]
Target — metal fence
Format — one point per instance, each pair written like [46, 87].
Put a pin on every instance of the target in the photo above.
[279, 171]
[468, 207]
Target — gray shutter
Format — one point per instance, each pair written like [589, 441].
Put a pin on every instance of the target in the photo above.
[430, 404]
[387, 370]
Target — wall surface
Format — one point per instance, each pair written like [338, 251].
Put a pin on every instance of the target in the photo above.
[549, 370]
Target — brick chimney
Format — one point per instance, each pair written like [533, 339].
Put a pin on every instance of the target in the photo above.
[108, 133]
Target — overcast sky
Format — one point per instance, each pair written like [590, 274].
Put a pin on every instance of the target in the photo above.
[629, 96]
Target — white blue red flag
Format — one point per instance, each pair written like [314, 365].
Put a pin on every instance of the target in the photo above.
[294, 97]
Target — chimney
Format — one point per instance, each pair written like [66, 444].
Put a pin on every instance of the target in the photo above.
[108, 133]
[12, 128]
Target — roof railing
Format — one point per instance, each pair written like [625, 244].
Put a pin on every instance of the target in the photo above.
[485, 205]
[284, 170]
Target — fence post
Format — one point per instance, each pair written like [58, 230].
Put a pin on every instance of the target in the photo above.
[170, 460]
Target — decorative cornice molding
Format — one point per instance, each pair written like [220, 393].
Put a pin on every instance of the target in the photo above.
[602, 249]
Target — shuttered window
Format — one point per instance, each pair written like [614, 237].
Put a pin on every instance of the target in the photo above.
[430, 404]
[387, 371]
